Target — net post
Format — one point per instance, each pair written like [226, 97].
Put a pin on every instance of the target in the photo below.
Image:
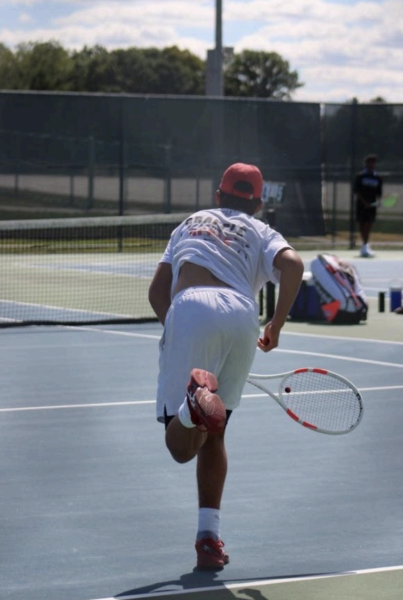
[334, 213]
[122, 158]
[17, 165]
[122, 175]
[270, 216]
[270, 300]
[91, 167]
[168, 179]
[72, 169]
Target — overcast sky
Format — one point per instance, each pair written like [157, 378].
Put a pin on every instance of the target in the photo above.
[340, 48]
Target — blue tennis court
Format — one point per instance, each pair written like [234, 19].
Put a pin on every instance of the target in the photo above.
[93, 507]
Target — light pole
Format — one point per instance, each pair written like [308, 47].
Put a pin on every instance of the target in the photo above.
[214, 74]
[218, 46]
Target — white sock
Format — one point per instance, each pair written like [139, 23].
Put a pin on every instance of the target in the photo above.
[184, 415]
[209, 523]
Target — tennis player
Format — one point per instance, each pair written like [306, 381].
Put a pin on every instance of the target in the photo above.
[203, 292]
[368, 190]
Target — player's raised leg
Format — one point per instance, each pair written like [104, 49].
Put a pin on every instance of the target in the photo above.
[202, 412]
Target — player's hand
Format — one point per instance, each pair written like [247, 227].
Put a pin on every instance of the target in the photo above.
[270, 337]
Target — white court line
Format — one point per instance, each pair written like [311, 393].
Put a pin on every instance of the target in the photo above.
[305, 335]
[338, 357]
[132, 334]
[341, 337]
[310, 335]
[264, 582]
[142, 402]
[321, 354]
[113, 332]
[63, 406]
[63, 309]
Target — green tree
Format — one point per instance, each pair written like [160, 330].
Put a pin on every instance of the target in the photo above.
[179, 72]
[134, 70]
[8, 69]
[43, 66]
[260, 75]
[48, 66]
[93, 71]
[154, 71]
[138, 71]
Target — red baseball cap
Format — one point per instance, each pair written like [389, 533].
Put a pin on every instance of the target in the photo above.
[240, 172]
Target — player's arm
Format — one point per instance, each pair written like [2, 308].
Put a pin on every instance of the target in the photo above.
[365, 203]
[159, 293]
[361, 197]
[289, 263]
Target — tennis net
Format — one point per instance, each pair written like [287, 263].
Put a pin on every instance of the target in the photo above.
[80, 271]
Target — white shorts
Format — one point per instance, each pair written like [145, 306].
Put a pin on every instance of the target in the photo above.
[209, 328]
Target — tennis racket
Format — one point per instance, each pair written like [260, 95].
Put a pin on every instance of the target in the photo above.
[387, 202]
[315, 398]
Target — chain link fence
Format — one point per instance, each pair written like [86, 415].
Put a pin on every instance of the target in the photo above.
[67, 155]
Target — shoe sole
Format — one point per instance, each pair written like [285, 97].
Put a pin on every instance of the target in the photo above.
[211, 567]
[202, 378]
[211, 411]
[206, 564]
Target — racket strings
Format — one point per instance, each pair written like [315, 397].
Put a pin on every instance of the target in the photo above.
[323, 401]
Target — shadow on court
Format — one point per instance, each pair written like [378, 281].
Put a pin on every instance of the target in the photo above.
[385, 585]
[188, 581]
[198, 579]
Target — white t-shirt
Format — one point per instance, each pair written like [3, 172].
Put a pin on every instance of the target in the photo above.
[235, 247]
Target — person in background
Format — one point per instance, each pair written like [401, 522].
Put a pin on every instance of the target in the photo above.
[203, 292]
[368, 191]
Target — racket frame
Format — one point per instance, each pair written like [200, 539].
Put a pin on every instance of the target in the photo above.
[252, 377]
[389, 201]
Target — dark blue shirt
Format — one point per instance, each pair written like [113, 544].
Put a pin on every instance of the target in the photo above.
[369, 185]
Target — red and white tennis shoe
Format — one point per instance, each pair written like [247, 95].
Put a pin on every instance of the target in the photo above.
[207, 410]
[210, 554]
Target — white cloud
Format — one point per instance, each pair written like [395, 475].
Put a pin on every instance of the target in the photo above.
[25, 18]
[176, 14]
[109, 35]
[339, 50]
[275, 11]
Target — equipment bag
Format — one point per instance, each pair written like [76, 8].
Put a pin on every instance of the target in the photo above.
[307, 306]
[342, 298]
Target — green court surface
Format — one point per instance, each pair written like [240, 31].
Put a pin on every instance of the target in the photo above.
[376, 584]
[386, 326]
